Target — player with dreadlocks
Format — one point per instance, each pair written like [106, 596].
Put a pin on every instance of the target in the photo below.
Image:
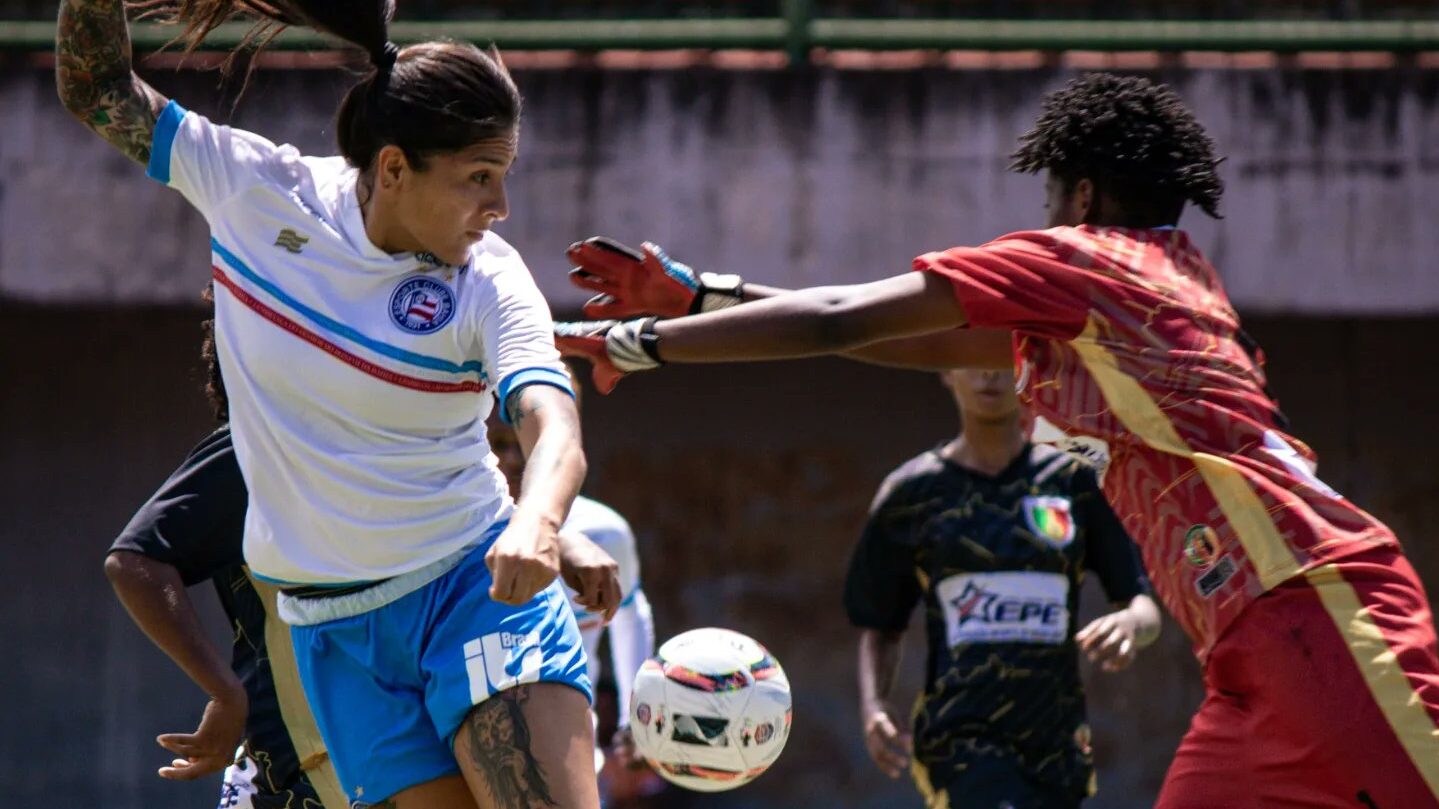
[1315, 634]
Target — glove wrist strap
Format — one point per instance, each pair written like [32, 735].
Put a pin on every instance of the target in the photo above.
[634, 345]
[717, 292]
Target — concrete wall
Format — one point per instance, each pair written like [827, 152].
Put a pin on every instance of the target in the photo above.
[747, 524]
[790, 178]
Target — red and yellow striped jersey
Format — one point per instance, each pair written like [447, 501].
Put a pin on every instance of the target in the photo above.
[1129, 350]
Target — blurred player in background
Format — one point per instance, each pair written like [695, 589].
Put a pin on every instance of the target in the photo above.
[1316, 636]
[632, 629]
[994, 535]
[192, 530]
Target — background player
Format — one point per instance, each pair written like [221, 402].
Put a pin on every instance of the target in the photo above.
[192, 530]
[632, 627]
[1317, 639]
[362, 303]
[994, 535]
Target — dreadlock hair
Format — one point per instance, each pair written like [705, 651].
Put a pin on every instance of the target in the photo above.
[1134, 139]
[426, 99]
[214, 382]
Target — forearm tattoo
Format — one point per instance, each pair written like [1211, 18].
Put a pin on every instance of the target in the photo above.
[500, 752]
[93, 75]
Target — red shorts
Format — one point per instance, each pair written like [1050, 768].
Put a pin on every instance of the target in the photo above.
[1323, 693]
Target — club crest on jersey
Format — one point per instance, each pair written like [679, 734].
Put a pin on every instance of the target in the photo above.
[1049, 518]
[1201, 546]
[421, 305]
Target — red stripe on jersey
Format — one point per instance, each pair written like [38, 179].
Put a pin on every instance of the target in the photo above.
[359, 363]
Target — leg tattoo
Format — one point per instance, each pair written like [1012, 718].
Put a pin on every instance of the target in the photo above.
[500, 751]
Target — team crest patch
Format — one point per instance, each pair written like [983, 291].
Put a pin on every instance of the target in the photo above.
[422, 305]
[1049, 518]
[1201, 546]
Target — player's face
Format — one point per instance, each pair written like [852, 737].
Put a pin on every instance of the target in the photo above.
[1066, 206]
[457, 197]
[986, 394]
[506, 446]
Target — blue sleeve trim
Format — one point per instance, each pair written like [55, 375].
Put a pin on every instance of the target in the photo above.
[630, 599]
[531, 376]
[163, 140]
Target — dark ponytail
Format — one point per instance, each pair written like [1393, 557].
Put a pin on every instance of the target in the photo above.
[427, 98]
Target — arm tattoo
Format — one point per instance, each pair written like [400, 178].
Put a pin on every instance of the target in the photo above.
[93, 75]
[517, 409]
[500, 752]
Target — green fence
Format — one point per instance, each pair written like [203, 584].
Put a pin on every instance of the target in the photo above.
[797, 32]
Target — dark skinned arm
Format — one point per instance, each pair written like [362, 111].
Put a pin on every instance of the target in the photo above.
[155, 597]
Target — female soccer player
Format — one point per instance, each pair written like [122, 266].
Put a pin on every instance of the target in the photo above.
[1316, 636]
[192, 529]
[995, 536]
[364, 316]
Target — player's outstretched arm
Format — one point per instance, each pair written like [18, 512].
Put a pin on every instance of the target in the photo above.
[154, 595]
[814, 322]
[631, 282]
[526, 557]
[807, 323]
[94, 76]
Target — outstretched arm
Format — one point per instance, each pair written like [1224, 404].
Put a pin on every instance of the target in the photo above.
[631, 283]
[94, 77]
[937, 351]
[813, 322]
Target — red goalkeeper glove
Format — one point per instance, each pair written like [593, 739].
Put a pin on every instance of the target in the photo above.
[634, 283]
[614, 349]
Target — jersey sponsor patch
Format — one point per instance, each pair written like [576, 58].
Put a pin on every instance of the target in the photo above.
[1216, 577]
[421, 305]
[1005, 607]
[1049, 518]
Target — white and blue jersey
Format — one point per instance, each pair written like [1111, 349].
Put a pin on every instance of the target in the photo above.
[358, 379]
[359, 385]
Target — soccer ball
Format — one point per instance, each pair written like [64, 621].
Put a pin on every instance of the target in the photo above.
[711, 711]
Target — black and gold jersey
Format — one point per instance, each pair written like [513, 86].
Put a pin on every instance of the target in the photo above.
[997, 562]
[195, 522]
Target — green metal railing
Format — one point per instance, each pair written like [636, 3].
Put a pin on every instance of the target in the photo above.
[797, 32]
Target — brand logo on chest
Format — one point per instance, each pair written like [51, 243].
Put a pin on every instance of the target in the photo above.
[421, 305]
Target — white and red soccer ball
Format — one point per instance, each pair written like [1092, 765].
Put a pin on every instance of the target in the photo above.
[711, 711]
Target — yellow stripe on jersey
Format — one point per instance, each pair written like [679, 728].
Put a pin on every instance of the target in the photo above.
[933, 799]
[294, 709]
[1387, 682]
[1271, 556]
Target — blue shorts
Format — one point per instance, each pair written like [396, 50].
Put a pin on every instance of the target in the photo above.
[389, 687]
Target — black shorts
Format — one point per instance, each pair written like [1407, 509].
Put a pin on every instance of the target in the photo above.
[988, 782]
